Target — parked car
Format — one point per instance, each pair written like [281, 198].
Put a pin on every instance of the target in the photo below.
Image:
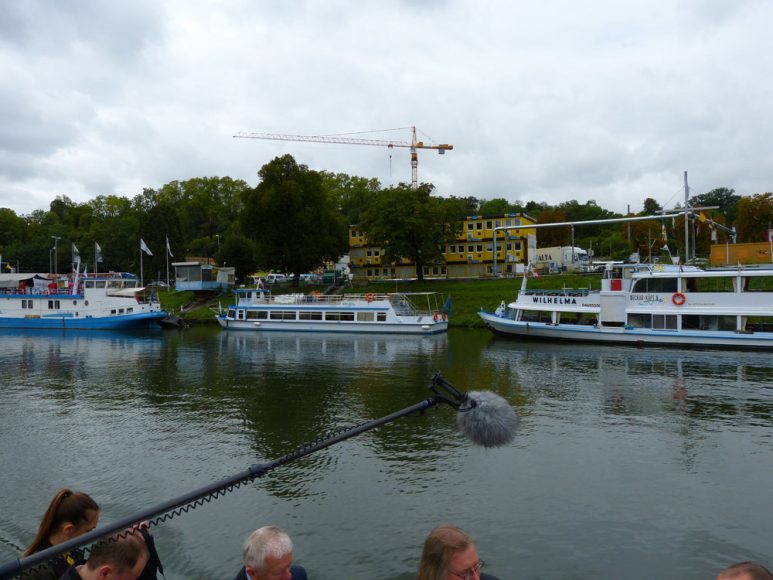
[275, 278]
[158, 284]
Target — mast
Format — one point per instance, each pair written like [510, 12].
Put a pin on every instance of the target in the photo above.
[686, 218]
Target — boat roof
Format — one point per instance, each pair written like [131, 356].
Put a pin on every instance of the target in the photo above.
[12, 280]
[688, 271]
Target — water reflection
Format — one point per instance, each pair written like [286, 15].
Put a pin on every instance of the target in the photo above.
[622, 453]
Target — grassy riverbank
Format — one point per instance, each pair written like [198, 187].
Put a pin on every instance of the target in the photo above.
[467, 296]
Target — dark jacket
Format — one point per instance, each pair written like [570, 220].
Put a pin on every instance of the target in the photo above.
[298, 573]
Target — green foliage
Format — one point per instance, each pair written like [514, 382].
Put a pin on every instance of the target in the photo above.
[651, 206]
[351, 195]
[755, 216]
[408, 223]
[723, 197]
[291, 220]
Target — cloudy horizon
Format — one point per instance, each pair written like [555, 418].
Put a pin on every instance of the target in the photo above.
[602, 101]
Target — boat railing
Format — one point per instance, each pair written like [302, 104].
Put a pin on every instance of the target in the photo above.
[400, 302]
[559, 292]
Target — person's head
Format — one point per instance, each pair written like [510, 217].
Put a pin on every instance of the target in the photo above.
[116, 559]
[268, 554]
[69, 515]
[745, 571]
[448, 554]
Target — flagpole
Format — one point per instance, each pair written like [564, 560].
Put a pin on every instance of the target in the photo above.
[142, 277]
[96, 263]
[167, 263]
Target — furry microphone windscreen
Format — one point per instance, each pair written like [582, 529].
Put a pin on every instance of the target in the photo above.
[487, 419]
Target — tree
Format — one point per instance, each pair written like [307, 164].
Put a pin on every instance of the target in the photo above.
[755, 216]
[651, 206]
[291, 220]
[410, 223]
[723, 197]
[350, 194]
[556, 236]
[496, 206]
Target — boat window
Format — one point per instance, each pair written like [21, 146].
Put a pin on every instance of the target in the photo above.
[535, 316]
[310, 316]
[760, 324]
[664, 321]
[366, 316]
[253, 314]
[712, 284]
[129, 310]
[576, 318]
[655, 285]
[101, 283]
[640, 320]
[332, 316]
[381, 317]
[283, 315]
[231, 313]
[53, 304]
[88, 284]
[113, 283]
[758, 284]
[347, 316]
[112, 311]
[120, 311]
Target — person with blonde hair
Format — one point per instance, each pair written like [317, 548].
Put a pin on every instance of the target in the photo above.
[450, 554]
[69, 515]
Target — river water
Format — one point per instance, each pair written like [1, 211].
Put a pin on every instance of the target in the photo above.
[629, 463]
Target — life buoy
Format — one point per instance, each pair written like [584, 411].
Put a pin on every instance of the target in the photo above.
[435, 317]
[678, 298]
[369, 297]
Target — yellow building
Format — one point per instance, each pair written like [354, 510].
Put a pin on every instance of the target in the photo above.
[748, 253]
[471, 255]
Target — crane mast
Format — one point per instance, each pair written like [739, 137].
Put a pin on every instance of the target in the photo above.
[413, 145]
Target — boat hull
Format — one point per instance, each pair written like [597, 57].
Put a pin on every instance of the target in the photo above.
[626, 335]
[119, 322]
[429, 326]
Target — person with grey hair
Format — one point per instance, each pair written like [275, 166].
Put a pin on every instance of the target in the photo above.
[268, 555]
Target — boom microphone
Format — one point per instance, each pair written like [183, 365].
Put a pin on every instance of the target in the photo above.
[486, 419]
[483, 417]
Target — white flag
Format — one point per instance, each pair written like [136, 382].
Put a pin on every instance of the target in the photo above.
[144, 247]
[97, 252]
[169, 248]
[75, 252]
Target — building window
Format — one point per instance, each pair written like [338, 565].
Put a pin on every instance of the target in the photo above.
[479, 247]
[451, 249]
[469, 225]
[488, 225]
[478, 225]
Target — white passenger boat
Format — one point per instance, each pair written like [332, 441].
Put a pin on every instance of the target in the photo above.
[649, 304]
[96, 302]
[402, 313]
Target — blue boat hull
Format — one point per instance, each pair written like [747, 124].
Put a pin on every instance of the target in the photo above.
[121, 322]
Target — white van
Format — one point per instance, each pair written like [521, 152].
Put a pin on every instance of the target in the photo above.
[275, 278]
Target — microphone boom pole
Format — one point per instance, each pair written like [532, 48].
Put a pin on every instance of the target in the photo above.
[184, 503]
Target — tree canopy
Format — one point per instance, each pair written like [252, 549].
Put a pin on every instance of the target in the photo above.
[291, 220]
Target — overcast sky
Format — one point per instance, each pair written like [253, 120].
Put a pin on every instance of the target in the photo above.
[549, 101]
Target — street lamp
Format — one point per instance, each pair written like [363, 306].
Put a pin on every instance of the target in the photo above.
[56, 257]
[218, 243]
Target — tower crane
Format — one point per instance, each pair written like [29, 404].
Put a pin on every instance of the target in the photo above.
[413, 144]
